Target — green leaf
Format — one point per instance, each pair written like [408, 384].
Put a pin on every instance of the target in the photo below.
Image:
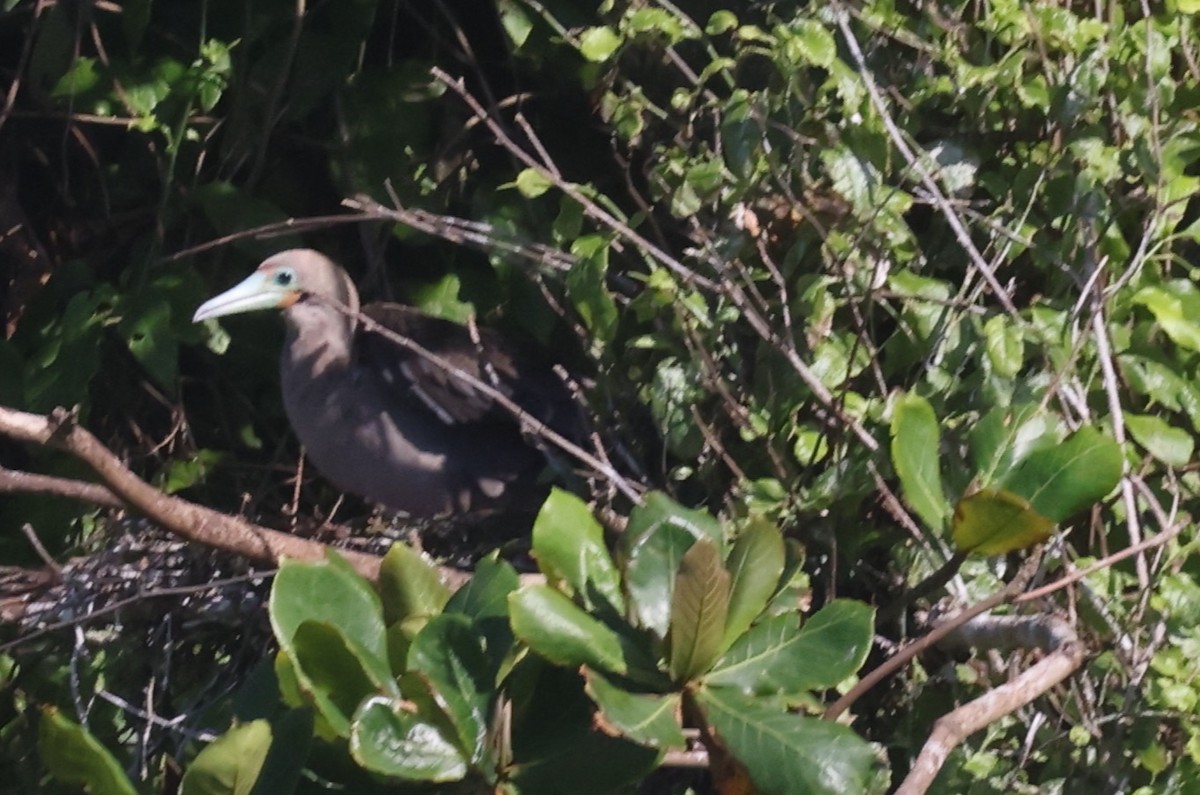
[516, 21]
[554, 627]
[148, 334]
[1176, 307]
[287, 758]
[409, 585]
[787, 754]
[532, 182]
[916, 458]
[76, 758]
[720, 22]
[699, 606]
[649, 719]
[330, 674]
[449, 653]
[1005, 345]
[1007, 434]
[1172, 446]
[569, 546]
[755, 564]
[387, 738]
[587, 288]
[659, 532]
[81, 77]
[484, 599]
[993, 522]
[598, 44]
[778, 656]
[814, 42]
[1062, 480]
[343, 635]
[485, 595]
[230, 765]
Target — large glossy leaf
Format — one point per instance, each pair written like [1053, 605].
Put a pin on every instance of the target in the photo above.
[1005, 435]
[993, 522]
[568, 543]
[1062, 480]
[330, 630]
[787, 754]
[450, 655]
[556, 628]
[485, 595]
[330, 674]
[755, 565]
[699, 606]
[915, 456]
[409, 585]
[330, 592]
[484, 599]
[659, 533]
[779, 656]
[230, 765]
[390, 739]
[646, 718]
[76, 758]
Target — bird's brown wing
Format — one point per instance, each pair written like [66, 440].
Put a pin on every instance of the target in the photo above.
[486, 357]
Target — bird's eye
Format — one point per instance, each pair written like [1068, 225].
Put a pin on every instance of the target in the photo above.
[284, 278]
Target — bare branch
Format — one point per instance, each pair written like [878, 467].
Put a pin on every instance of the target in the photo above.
[181, 517]
[954, 727]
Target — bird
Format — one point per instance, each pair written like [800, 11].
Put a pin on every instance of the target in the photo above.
[380, 420]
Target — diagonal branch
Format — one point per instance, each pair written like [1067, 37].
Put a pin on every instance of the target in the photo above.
[186, 519]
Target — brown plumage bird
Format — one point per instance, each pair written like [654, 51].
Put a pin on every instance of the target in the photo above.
[386, 423]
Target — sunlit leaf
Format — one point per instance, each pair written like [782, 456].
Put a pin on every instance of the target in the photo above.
[915, 455]
[788, 754]
[598, 44]
[993, 522]
[230, 765]
[755, 564]
[388, 738]
[569, 545]
[1062, 480]
[699, 605]
[409, 585]
[1176, 309]
[554, 627]
[646, 718]
[76, 758]
[1172, 446]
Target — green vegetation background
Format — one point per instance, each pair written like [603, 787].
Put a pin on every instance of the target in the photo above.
[751, 225]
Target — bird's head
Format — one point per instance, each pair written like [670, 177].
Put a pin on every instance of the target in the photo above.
[282, 281]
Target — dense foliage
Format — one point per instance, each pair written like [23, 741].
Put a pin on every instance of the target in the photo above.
[900, 294]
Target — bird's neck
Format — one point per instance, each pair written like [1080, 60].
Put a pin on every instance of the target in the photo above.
[319, 340]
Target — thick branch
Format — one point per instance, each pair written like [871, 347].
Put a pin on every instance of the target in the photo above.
[181, 517]
[13, 481]
[954, 727]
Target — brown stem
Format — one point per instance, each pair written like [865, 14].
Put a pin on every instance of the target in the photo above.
[13, 481]
[901, 658]
[181, 517]
[954, 727]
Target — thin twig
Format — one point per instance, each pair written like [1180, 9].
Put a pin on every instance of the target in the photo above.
[902, 657]
[918, 164]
